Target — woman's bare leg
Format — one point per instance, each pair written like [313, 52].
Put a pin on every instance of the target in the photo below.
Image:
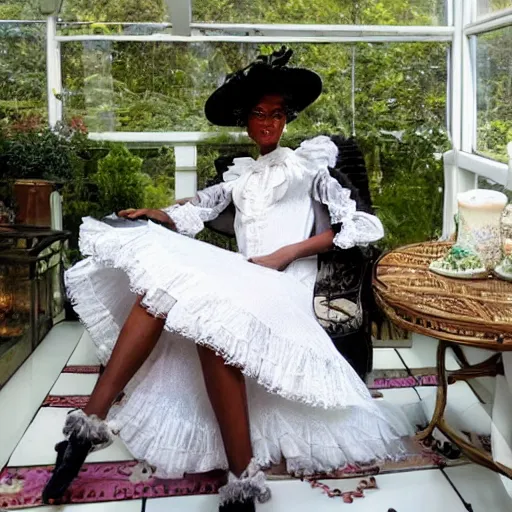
[136, 341]
[226, 389]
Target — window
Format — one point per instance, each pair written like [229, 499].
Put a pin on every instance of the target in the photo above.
[491, 185]
[108, 11]
[20, 10]
[132, 86]
[146, 86]
[486, 7]
[22, 75]
[335, 12]
[494, 93]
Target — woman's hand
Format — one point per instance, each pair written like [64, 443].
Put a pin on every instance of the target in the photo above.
[278, 260]
[146, 213]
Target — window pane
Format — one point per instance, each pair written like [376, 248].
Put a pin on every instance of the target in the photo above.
[119, 10]
[488, 184]
[20, 10]
[120, 86]
[408, 12]
[400, 102]
[342, 12]
[494, 93]
[400, 85]
[485, 7]
[22, 75]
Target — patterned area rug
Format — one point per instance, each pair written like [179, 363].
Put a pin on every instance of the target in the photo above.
[117, 481]
[21, 487]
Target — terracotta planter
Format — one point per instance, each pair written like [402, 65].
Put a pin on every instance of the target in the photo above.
[33, 202]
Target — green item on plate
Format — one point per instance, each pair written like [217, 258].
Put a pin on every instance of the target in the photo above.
[459, 259]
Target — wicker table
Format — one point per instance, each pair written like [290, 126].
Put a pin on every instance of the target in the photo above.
[475, 313]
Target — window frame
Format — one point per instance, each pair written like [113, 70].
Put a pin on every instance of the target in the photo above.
[462, 164]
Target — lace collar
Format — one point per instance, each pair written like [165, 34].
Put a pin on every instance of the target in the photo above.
[247, 164]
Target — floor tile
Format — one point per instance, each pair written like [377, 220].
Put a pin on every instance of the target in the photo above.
[421, 491]
[481, 488]
[423, 354]
[23, 394]
[184, 504]
[85, 352]
[463, 412]
[113, 506]
[37, 445]
[387, 359]
[74, 384]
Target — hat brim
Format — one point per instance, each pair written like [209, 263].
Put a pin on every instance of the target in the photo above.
[230, 103]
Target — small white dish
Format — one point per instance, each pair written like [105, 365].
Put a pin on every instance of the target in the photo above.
[500, 272]
[475, 273]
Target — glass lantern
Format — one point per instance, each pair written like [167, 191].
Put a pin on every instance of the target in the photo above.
[30, 294]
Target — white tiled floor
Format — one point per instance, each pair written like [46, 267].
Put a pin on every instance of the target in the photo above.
[387, 359]
[120, 506]
[74, 384]
[420, 491]
[423, 354]
[37, 445]
[463, 412]
[84, 353]
[23, 394]
[409, 401]
[481, 488]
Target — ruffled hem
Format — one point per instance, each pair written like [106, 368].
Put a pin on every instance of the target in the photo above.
[311, 441]
[281, 365]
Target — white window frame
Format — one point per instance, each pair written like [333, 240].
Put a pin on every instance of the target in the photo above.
[462, 165]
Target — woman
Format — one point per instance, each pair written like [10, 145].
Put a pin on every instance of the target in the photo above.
[154, 300]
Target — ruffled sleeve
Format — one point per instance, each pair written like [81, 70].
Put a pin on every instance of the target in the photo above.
[206, 206]
[356, 227]
[319, 152]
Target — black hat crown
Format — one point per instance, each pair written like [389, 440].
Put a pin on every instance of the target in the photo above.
[268, 74]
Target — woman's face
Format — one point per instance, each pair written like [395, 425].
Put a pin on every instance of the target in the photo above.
[266, 122]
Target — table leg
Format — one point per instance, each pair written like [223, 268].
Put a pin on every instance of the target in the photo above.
[489, 368]
[442, 391]
[472, 453]
[492, 366]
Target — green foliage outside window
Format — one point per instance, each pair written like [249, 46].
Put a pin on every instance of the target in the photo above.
[400, 96]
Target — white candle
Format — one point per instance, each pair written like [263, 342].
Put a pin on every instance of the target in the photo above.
[480, 214]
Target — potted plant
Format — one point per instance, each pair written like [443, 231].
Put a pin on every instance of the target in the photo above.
[35, 160]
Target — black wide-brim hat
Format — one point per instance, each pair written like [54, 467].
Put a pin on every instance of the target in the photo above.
[230, 104]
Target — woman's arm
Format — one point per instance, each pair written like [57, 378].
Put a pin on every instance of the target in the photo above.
[187, 216]
[281, 258]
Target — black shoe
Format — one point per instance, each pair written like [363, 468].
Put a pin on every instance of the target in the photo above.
[238, 506]
[71, 455]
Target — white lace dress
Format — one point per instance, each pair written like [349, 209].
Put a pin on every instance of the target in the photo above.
[306, 402]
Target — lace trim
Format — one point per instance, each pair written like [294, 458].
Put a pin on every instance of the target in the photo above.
[357, 228]
[250, 486]
[206, 206]
[88, 428]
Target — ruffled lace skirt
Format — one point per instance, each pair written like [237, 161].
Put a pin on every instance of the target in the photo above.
[306, 402]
